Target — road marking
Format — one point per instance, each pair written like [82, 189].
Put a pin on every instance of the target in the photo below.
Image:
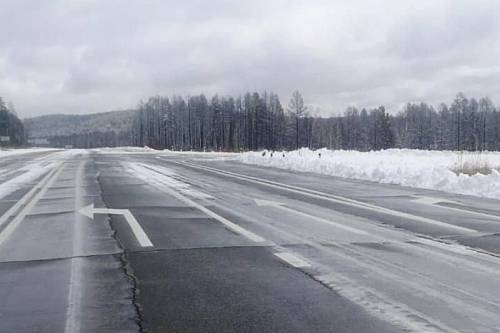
[279, 205]
[432, 201]
[45, 184]
[21, 202]
[330, 197]
[14, 208]
[292, 259]
[141, 237]
[382, 271]
[234, 227]
[74, 299]
[425, 200]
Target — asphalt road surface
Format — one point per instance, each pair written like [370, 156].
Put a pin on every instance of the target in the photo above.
[122, 241]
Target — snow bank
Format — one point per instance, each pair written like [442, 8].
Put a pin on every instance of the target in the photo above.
[124, 150]
[416, 168]
[200, 153]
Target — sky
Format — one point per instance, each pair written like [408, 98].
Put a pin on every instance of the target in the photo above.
[86, 56]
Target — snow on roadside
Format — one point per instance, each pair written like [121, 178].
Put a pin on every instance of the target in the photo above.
[415, 168]
[124, 150]
[21, 151]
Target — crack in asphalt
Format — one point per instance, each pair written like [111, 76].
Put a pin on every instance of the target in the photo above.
[129, 272]
[126, 268]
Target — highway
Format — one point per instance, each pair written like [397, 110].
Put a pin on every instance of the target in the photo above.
[127, 241]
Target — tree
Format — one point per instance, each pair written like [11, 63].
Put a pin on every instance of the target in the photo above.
[297, 110]
[458, 107]
[257, 121]
[10, 125]
[485, 108]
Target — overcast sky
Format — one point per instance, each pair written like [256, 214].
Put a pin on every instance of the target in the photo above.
[96, 55]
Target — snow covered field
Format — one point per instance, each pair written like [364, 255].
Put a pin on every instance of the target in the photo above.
[438, 170]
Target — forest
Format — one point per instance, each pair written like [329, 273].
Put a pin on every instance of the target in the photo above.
[256, 121]
[11, 127]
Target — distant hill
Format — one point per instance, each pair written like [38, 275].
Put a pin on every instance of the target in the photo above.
[106, 129]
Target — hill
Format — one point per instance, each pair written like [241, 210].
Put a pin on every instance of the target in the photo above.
[106, 129]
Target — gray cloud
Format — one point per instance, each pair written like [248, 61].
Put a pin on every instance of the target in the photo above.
[92, 55]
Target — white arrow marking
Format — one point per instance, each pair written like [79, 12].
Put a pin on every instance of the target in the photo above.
[268, 203]
[329, 197]
[139, 233]
[432, 201]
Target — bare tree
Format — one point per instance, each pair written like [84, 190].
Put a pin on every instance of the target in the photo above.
[297, 110]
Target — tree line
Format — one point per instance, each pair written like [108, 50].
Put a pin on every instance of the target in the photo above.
[11, 127]
[259, 121]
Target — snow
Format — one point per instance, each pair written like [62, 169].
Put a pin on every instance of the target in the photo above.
[124, 150]
[437, 170]
[13, 152]
[159, 176]
[200, 153]
[13, 180]
[28, 174]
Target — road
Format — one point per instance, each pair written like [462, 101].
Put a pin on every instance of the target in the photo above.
[129, 241]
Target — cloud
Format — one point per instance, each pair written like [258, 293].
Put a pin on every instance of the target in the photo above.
[91, 55]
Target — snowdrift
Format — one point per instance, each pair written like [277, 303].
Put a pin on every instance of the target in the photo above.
[437, 170]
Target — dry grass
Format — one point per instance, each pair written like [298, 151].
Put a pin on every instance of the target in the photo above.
[471, 164]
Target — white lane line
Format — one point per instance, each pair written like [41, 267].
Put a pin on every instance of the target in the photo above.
[292, 259]
[331, 197]
[9, 229]
[21, 202]
[234, 227]
[369, 263]
[139, 233]
[279, 205]
[14, 208]
[75, 294]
